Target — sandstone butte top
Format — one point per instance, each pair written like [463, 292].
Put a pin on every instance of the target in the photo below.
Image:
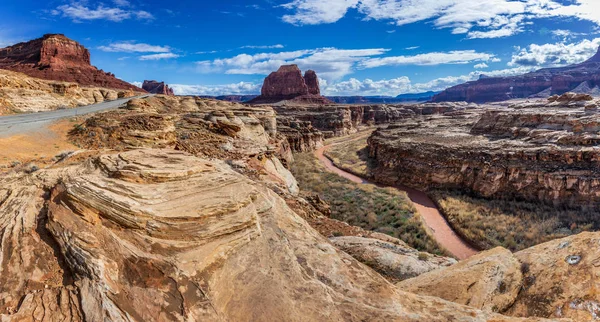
[287, 83]
[56, 57]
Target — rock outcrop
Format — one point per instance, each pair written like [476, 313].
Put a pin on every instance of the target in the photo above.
[582, 78]
[56, 57]
[20, 93]
[489, 281]
[161, 235]
[154, 87]
[394, 260]
[288, 84]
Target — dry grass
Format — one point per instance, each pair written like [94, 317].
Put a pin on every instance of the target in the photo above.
[352, 153]
[383, 210]
[515, 225]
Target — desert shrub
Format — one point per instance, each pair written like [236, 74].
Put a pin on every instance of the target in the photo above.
[383, 210]
[512, 224]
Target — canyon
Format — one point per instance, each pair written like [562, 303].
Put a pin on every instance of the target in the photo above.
[183, 208]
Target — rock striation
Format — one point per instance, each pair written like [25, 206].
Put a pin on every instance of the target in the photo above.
[542, 155]
[288, 84]
[580, 78]
[154, 87]
[56, 57]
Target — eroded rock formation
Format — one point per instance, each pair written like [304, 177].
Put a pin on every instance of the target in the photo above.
[288, 84]
[154, 87]
[56, 57]
[580, 78]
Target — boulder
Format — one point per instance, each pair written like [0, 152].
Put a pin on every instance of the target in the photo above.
[488, 281]
[396, 261]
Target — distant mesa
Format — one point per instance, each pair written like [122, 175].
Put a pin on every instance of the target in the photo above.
[56, 57]
[583, 78]
[288, 84]
[154, 87]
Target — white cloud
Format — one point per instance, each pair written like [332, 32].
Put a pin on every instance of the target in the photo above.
[132, 47]
[481, 66]
[79, 11]
[412, 48]
[159, 56]
[476, 18]
[331, 63]
[122, 3]
[242, 88]
[555, 54]
[429, 59]
[278, 46]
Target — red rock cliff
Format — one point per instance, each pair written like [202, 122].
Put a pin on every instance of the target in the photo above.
[312, 82]
[56, 57]
[155, 87]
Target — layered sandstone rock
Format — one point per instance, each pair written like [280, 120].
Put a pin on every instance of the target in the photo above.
[582, 78]
[489, 281]
[20, 93]
[394, 260]
[56, 57]
[160, 235]
[154, 87]
[288, 84]
[549, 156]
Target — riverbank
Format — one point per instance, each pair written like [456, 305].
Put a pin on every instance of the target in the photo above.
[439, 227]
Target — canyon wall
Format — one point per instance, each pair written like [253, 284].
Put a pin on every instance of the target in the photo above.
[549, 156]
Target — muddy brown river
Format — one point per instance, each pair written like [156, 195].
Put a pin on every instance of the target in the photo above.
[441, 230]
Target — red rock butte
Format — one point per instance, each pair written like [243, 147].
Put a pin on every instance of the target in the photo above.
[56, 57]
[288, 84]
[154, 87]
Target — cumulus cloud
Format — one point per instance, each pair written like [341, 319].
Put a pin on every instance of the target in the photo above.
[481, 66]
[242, 88]
[402, 85]
[132, 47]
[332, 63]
[475, 18]
[79, 11]
[429, 59]
[278, 46]
[159, 56]
[557, 54]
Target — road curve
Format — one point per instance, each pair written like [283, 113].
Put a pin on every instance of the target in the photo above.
[22, 123]
[441, 230]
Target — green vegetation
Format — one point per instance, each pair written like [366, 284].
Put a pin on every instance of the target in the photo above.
[383, 210]
[515, 225]
[352, 155]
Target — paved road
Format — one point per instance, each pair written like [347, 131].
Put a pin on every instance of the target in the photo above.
[22, 123]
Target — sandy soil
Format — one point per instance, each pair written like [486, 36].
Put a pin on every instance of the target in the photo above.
[38, 146]
[442, 232]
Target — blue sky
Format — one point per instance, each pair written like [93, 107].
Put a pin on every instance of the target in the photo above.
[357, 47]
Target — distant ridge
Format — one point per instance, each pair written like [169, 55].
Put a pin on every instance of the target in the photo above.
[583, 77]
